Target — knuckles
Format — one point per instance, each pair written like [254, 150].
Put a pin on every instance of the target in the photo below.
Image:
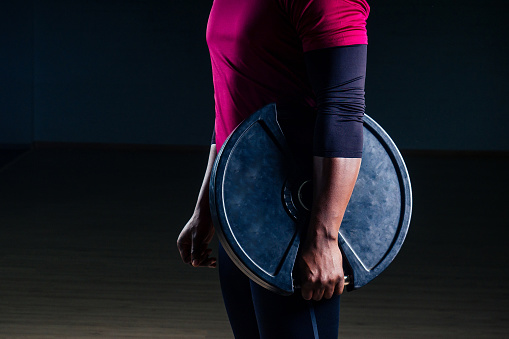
[323, 281]
[322, 284]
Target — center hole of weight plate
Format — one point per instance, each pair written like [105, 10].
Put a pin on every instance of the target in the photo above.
[305, 195]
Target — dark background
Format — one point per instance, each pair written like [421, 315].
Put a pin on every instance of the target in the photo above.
[112, 92]
[138, 72]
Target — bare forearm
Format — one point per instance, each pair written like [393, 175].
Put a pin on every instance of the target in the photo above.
[202, 204]
[196, 235]
[320, 262]
[333, 181]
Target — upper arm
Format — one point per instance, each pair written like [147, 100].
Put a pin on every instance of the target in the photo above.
[328, 23]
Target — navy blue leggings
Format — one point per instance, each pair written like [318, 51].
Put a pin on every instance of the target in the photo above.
[255, 312]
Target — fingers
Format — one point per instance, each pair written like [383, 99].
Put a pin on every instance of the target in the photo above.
[193, 241]
[340, 286]
[329, 292]
[199, 259]
[198, 252]
[307, 293]
[319, 290]
[196, 258]
[318, 293]
[185, 251]
[210, 262]
[202, 258]
[205, 262]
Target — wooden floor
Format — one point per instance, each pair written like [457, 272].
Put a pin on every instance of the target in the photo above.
[87, 250]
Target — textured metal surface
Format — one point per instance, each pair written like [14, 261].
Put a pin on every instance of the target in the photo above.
[260, 200]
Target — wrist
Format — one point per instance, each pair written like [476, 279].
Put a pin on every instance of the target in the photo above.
[321, 236]
[202, 212]
[324, 228]
[202, 203]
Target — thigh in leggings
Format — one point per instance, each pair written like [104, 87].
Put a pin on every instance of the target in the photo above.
[255, 312]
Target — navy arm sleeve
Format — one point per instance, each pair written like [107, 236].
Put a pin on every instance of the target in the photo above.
[213, 138]
[337, 76]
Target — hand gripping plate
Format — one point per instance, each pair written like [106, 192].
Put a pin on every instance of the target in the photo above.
[259, 200]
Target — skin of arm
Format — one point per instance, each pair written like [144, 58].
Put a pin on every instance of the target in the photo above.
[320, 263]
[193, 241]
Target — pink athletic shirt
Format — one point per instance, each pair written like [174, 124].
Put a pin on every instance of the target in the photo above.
[257, 51]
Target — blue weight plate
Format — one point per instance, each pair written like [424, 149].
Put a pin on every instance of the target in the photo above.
[260, 200]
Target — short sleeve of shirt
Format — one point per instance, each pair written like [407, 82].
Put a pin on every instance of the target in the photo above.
[328, 23]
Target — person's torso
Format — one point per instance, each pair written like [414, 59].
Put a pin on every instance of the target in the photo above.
[257, 58]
